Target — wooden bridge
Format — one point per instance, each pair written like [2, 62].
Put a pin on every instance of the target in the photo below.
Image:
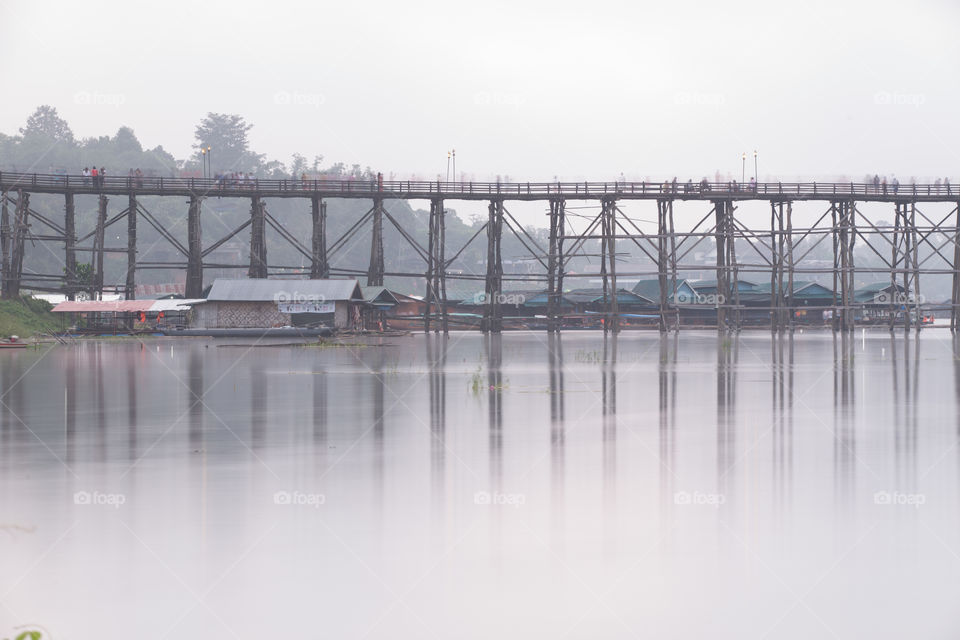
[782, 246]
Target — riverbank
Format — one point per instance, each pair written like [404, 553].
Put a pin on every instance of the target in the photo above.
[25, 317]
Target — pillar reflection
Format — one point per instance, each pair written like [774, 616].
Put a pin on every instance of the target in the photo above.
[667, 384]
[436, 346]
[557, 435]
[844, 424]
[728, 353]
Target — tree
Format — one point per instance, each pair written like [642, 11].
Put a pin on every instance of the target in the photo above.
[46, 123]
[226, 135]
[298, 166]
[126, 141]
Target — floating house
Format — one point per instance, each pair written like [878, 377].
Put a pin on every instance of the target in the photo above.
[263, 303]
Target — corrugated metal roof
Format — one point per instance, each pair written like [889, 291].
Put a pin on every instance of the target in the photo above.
[175, 304]
[124, 306]
[265, 290]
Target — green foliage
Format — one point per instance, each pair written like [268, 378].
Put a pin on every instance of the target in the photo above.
[26, 316]
[46, 125]
[226, 135]
[84, 275]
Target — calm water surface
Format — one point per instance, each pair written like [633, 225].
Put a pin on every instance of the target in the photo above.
[517, 487]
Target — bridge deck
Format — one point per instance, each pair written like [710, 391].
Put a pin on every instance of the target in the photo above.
[422, 190]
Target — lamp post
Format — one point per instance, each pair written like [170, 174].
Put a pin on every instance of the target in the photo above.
[205, 156]
[454, 152]
[743, 168]
[448, 166]
[756, 174]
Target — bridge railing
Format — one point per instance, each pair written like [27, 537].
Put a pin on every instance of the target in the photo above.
[423, 188]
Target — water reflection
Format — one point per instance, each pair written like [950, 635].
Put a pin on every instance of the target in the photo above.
[494, 351]
[195, 388]
[667, 379]
[398, 498]
[782, 395]
[728, 354]
[844, 424]
[436, 348]
[906, 395]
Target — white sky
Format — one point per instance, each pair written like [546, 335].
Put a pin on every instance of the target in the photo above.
[577, 90]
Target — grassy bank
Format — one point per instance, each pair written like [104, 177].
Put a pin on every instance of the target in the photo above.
[25, 317]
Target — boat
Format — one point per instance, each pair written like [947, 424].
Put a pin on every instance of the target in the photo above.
[13, 342]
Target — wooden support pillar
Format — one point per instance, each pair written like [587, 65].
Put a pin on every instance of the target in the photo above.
[914, 297]
[319, 268]
[663, 265]
[555, 264]
[614, 315]
[723, 236]
[955, 295]
[436, 269]
[672, 261]
[131, 282]
[194, 287]
[733, 281]
[376, 269]
[835, 272]
[894, 262]
[843, 264]
[5, 245]
[431, 297]
[492, 313]
[258, 239]
[776, 265]
[98, 244]
[70, 246]
[791, 314]
[20, 228]
[851, 264]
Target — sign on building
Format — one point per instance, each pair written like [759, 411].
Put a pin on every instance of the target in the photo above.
[306, 307]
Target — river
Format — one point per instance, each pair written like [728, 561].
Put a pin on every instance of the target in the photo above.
[523, 486]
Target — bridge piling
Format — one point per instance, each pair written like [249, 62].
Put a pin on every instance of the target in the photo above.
[555, 264]
[131, 281]
[376, 269]
[662, 264]
[492, 313]
[70, 246]
[258, 239]
[194, 288]
[613, 309]
[98, 245]
[955, 291]
[436, 269]
[723, 237]
[319, 268]
[20, 228]
[4, 245]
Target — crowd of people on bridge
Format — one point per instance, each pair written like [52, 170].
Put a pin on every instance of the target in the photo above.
[235, 180]
[94, 176]
[884, 187]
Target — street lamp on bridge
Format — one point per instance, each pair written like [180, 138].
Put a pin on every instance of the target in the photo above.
[207, 165]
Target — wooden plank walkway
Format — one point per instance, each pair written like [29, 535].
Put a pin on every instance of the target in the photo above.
[516, 191]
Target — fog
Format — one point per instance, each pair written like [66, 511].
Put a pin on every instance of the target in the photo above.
[531, 92]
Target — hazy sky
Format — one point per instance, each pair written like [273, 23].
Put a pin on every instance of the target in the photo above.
[529, 90]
